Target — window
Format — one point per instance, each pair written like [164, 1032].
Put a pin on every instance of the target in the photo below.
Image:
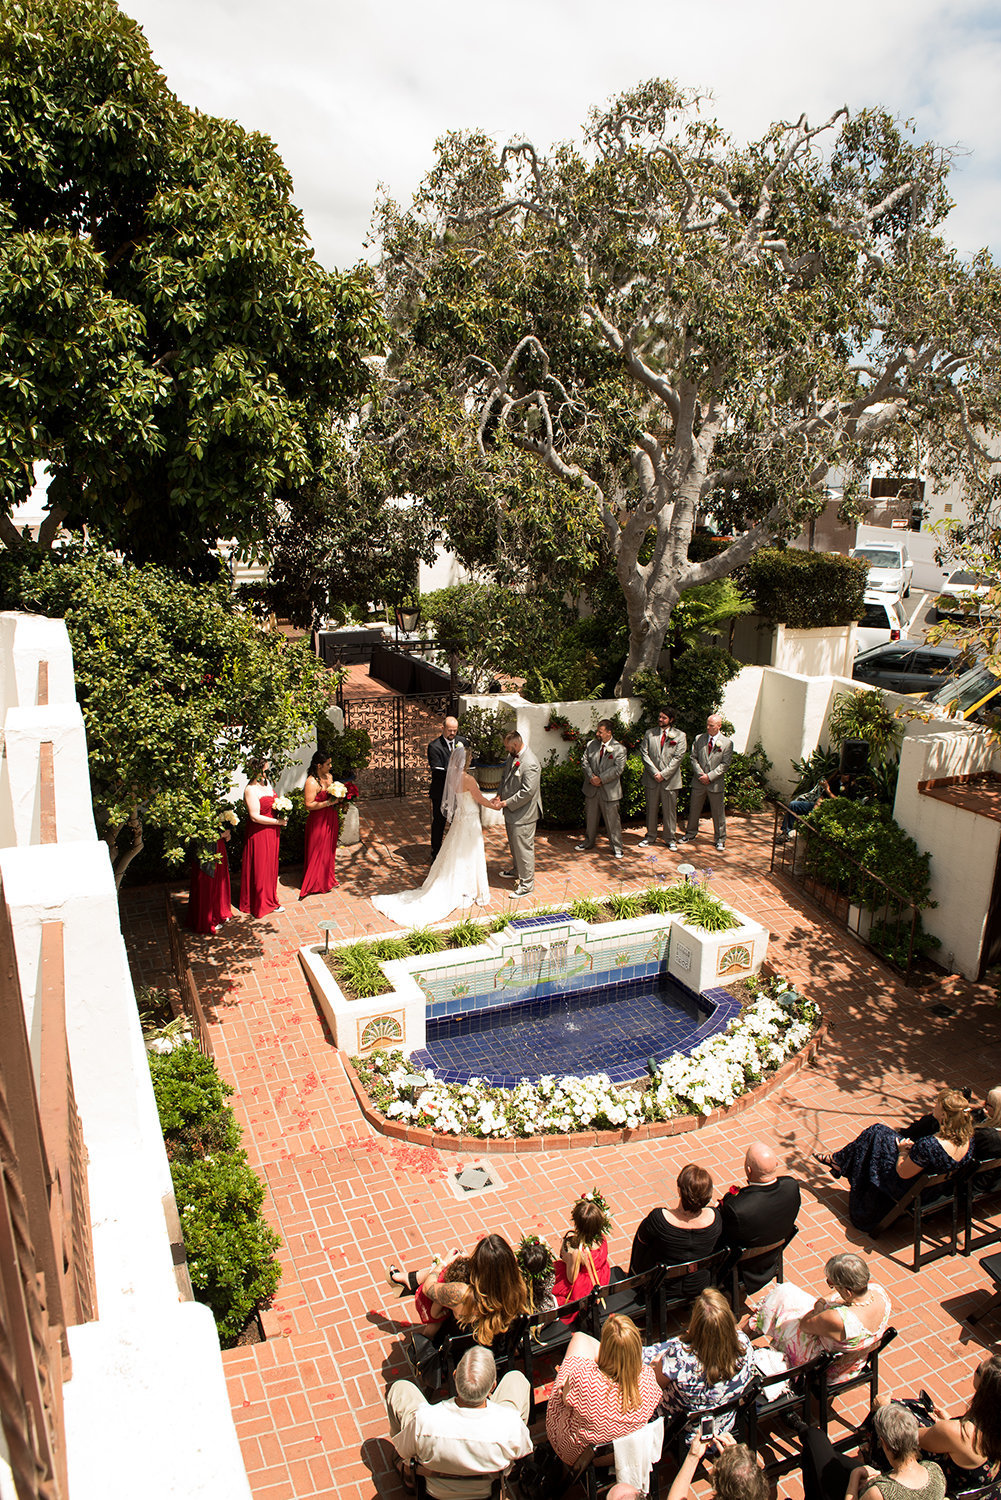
[888, 487]
[875, 617]
[878, 557]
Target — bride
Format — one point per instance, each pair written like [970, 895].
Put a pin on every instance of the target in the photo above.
[458, 876]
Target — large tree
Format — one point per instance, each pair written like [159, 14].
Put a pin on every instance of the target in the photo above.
[168, 343]
[179, 690]
[597, 349]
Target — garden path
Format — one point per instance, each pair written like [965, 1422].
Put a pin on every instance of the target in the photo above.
[309, 1402]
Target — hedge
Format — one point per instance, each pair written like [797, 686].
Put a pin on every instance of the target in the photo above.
[805, 590]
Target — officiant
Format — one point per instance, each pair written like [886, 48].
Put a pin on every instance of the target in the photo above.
[439, 754]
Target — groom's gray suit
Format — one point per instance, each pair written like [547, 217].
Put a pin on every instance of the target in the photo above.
[519, 791]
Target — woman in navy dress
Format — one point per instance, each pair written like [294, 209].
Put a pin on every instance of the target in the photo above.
[881, 1164]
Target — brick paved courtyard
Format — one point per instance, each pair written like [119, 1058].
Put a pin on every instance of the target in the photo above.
[309, 1402]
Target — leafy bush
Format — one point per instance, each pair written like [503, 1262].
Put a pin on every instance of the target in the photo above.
[818, 766]
[230, 1246]
[623, 907]
[466, 934]
[484, 729]
[863, 715]
[696, 688]
[747, 780]
[581, 662]
[893, 939]
[424, 940]
[693, 902]
[586, 909]
[562, 788]
[805, 590]
[357, 966]
[867, 834]
[349, 752]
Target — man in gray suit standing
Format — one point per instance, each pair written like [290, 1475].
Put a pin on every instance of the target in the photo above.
[519, 797]
[710, 757]
[662, 751]
[603, 761]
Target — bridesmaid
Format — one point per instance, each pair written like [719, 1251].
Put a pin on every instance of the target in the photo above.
[259, 878]
[208, 898]
[322, 827]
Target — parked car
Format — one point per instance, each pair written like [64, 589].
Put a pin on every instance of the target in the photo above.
[976, 695]
[963, 594]
[890, 567]
[881, 622]
[908, 666]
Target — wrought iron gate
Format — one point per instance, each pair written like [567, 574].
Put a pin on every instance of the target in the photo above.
[400, 729]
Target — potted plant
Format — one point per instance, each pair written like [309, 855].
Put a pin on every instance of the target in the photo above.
[484, 729]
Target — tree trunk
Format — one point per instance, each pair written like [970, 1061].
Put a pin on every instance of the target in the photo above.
[121, 864]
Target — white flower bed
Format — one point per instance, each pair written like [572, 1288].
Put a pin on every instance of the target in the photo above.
[773, 1026]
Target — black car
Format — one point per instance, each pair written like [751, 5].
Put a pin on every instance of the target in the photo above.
[908, 666]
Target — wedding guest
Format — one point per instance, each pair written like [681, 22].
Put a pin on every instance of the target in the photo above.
[259, 876]
[710, 1364]
[681, 1232]
[761, 1213]
[603, 763]
[602, 1390]
[583, 1260]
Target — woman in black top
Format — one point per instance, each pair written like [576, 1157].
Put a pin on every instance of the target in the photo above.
[687, 1230]
[968, 1447]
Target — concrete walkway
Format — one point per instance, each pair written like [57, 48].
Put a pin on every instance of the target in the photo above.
[309, 1403]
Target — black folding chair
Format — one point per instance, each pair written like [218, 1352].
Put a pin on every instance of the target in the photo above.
[758, 1258]
[633, 1297]
[594, 1471]
[680, 1425]
[979, 1182]
[926, 1195]
[672, 1295]
[777, 1397]
[544, 1338]
[992, 1265]
[990, 1491]
[420, 1485]
[825, 1385]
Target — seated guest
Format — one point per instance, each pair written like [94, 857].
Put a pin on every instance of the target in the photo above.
[480, 1431]
[583, 1259]
[484, 1291]
[687, 1230]
[602, 1391]
[760, 1214]
[708, 1365]
[968, 1447]
[881, 1165]
[850, 1323]
[737, 1474]
[538, 1270]
[830, 1475]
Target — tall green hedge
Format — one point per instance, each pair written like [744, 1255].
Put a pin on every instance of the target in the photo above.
[806, 590]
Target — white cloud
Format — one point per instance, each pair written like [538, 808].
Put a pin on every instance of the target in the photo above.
[356, 93]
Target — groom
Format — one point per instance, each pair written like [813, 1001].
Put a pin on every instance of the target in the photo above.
[522, 805]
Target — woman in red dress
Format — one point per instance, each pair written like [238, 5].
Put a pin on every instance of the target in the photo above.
[322, 827]
[208, 899]
[259, 877]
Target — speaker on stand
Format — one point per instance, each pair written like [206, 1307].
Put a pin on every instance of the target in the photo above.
[854, 757]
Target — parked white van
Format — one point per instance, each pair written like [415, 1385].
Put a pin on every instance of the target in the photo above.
[890, 568]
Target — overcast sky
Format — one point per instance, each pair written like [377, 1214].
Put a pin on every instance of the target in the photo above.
[355, 94]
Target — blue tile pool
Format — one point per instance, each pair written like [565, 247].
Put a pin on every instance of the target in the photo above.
[611, 1028]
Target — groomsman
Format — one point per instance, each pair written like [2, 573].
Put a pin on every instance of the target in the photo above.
[710, 757]
[604, 759]
[521, 801]
[439, 755]
[662, 751]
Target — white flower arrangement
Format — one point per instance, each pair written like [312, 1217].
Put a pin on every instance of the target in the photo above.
[338, 789]
[776, 1023]
[281, 805]
[229, 817]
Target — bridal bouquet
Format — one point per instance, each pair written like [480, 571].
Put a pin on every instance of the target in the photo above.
[281, 807]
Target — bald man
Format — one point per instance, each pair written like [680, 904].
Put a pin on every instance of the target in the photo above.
[440, 752]
[759, 1214]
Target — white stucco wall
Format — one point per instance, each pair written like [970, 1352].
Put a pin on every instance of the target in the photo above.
[25, 640]
[963, 845]
[25, 729]
[531, 718]
[829, 651]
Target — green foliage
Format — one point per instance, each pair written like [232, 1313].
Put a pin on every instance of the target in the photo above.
[562, 789]
[230, 1246]
[893, 941]
[586, 909]
[423, 940]
[390, 947]
[705, 609]
[582, 659]
[484, 729]
[191, 1102]
[867, 835]
[658, 899]
[466, 934]
[171, 348]
[863, 715]
[498, 924]
[696, 688]
[358, 967]
[349, 751]
[805, 590]
[818, 766]
[178, 689]
[747, 780]
[693, 902]
[623, 907]
[632, 807]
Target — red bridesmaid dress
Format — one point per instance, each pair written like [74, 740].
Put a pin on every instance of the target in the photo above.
[322, 829]
[208, 898]
[259, 877]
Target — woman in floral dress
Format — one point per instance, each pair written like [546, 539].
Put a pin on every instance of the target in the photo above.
[709, 1365]
[799, 1328]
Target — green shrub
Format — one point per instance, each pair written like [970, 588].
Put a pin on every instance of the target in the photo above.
[747, 780]
[695, 691]
[805, 590]
[391, 947]
[349, 752]
[863, 715]
[498, 924]
[231, 1247]
[484, 729]
[191, 1102]
[466, 934]
[586, 909]
[865, 833]
[357, 965]
[423, 940]
[562, 793]
[624, 907]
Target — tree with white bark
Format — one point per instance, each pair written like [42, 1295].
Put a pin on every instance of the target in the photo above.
[598, 350]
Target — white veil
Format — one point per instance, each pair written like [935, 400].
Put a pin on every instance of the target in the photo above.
[453, 782]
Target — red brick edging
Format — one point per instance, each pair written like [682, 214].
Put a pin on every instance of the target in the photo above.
[416, 1136]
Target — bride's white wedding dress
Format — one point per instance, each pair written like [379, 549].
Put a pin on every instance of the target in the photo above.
[458, 876]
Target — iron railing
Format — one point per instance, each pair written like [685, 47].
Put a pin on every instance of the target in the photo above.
[860, 900]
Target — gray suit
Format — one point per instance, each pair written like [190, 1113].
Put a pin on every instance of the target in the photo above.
[714, 766]
[606, 762]
[519, 791]
[662, 796]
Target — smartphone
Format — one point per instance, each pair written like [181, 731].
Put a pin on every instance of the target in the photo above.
[707, 1430]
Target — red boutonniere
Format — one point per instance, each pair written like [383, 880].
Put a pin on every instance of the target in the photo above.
[517, 765]
[672, 743]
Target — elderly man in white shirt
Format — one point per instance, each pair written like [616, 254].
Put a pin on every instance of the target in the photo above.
[460, 1444]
